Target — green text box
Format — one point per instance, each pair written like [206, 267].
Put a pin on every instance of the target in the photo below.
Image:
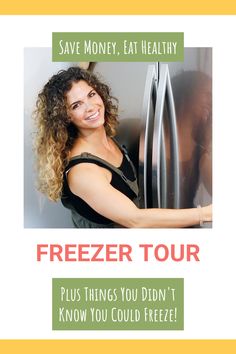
[118, 304]
[117, 46]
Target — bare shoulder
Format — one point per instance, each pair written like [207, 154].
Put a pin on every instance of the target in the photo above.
[86, 176]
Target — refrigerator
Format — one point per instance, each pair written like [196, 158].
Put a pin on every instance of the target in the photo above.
[165, 122]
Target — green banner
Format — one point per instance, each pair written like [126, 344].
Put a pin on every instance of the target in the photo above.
[118, 304]
[117, 46]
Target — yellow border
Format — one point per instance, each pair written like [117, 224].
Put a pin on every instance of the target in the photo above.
[125, 7]
[118, 346]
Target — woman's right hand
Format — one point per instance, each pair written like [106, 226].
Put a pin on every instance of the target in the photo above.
[207, 213]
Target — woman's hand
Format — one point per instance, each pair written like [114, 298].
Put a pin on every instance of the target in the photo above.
[207, 213]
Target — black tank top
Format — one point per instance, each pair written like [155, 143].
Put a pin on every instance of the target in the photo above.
[123, 179]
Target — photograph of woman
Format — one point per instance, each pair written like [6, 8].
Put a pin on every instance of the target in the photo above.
[80, 162]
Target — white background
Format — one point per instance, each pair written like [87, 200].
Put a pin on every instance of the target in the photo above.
[210, 286]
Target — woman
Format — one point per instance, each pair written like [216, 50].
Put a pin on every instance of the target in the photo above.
[79, 162]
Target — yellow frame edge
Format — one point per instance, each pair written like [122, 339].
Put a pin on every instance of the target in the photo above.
[124, 7]
[118, 346]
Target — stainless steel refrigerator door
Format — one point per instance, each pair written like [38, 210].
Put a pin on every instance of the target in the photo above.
[191, 86]
[192, 90]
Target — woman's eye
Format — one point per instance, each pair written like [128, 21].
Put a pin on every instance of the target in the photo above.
[75, 106]
[93, 93]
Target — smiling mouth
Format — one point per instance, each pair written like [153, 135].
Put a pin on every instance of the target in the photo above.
[93, 116]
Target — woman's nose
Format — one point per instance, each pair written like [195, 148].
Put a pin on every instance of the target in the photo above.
[88, 105]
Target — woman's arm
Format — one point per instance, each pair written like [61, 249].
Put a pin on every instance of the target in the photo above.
[92, 183]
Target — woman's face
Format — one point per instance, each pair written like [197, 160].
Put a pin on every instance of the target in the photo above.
[85, 107]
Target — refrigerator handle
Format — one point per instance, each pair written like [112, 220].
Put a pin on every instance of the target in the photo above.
[163, 177]
[174, 141]
[157, 138]
[146, 132]
[163, 170]
[158, 152]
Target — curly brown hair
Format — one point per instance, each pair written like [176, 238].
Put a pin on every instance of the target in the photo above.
[56, 134]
